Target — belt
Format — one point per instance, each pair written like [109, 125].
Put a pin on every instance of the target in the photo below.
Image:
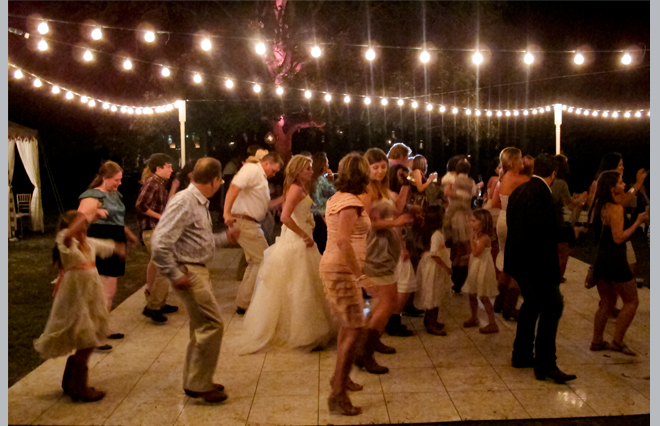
[245, 217]
[203, 265]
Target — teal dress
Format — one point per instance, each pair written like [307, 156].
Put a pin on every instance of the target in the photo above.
[108, 228]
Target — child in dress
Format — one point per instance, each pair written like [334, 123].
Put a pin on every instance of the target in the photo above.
[79, 317]
[481, 281]
[433, 272]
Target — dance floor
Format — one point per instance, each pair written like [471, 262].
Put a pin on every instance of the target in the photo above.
[463, 376]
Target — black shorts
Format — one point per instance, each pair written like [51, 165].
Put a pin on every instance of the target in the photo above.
[111, 266]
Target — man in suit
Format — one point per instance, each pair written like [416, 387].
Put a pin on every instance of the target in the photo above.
[531, 258]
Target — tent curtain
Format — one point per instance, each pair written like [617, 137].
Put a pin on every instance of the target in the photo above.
[28, 150]
[12, 207]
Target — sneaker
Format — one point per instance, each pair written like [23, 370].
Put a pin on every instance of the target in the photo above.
[154, 314]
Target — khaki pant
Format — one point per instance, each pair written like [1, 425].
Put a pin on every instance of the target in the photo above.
[156, 292]
[254, 244]
[206, 331]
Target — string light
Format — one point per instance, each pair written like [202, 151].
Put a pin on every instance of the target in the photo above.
[570, 109]
[477, 113]
[615, 114]
[515, 112]
[525, 112]
[429, 107]
[113, 108]
[638, 114]
[260, 48]
[442, 108]
[69, 95]
[229, 84]
[415, 104]
[424, 56]
[454, 110]
[18, 74]
[279, 91]
[627, 114]
[316, 51]
[626, 59]
[370, 55]
[197, 78]
[468, 112]
[579, 59]
[149, 36]
[92, 103]
[383, 102]
[308, 94]
[130, 110]
[594, 114]
[43, 28]
[547, 108]
[367, 100]
[123, 109]
[256, 88]
[477, 58]
[586, 112]
[206, 44]
[128, 64]
[106, 105]
[564, 107]
[165, 72]
[489, 113]
[97, 34]
[37, 82]
[508, 114]
[328, 97]
[605, 114]
[88, 56]
[529, 58]
[43, 46]
[399, 102]
[534, 111]
[55, 90]
[347, 99]
[84, 99]
[499, 113]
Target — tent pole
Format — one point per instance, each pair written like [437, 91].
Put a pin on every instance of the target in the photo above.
[558, 110]
[182, 120]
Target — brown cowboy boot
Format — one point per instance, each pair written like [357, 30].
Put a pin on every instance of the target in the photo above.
[431, 323]
[365, 354]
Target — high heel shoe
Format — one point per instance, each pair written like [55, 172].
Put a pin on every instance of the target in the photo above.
[340, 404]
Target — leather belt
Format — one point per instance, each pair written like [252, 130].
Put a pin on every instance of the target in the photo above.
[245, 217]
[194, 263]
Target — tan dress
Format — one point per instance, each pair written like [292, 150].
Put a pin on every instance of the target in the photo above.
[343, 294]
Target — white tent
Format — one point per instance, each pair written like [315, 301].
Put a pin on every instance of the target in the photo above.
[25, 140]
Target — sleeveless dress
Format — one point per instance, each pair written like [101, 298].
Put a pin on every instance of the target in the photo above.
[611, 261]
[79, 316]
[341, 291]
[383, 248]
[288, 307]
[434, 284]
[501, 223]
[481, 279]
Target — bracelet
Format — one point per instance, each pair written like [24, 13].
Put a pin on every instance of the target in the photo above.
[360, 278]
[632, 190]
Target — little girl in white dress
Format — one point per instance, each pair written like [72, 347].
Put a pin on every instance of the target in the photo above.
[433, 272]
[78, 320]
[481, 281]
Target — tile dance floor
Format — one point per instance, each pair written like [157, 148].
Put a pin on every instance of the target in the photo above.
[463, 376]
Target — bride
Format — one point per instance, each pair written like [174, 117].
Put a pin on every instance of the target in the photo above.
[288, 308]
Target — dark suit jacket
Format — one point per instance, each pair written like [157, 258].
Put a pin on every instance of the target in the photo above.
[531, 244]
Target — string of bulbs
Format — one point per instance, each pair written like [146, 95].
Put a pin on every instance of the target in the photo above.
[92, 102]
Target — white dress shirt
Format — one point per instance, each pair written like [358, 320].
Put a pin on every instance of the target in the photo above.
[254, 196]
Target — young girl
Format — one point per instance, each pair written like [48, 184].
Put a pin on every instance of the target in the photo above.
[79, 317]
[481, 281]
[433, 272]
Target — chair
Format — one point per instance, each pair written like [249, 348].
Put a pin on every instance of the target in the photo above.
[23, 210]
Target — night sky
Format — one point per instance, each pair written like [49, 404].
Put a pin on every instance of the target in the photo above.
[70, 133]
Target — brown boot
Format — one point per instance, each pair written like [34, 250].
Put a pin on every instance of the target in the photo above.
[431, 323]
[79, 391]
[365, 353]
[68, 374]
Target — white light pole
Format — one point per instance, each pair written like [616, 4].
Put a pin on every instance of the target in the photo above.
[558, 127]
[182, 120]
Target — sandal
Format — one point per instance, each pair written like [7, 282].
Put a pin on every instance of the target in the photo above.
[471, 323]
[621, 347]
[604, 346]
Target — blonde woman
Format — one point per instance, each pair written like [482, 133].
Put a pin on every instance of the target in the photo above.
[289, 308]
[512, 164]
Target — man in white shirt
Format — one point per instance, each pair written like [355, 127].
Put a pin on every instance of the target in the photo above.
[246, 204]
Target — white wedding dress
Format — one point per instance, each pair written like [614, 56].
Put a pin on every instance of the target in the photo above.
[288, 307]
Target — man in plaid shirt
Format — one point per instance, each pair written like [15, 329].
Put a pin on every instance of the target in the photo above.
[150, 206]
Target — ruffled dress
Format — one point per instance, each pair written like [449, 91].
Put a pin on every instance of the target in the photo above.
[79, 316]
[434, 284]
[481, 279]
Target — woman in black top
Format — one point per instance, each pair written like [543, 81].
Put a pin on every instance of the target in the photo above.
[612, 274]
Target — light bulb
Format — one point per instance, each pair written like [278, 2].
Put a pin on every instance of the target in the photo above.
[468, 111]
[525, 112]
[626, 59]
[586, 112]
[130, 110]
[169, 107]
[578, 111]
[383, 102]
[605, 114]
[308, 94]
[42, 28]
[18, 74]
[37, 82]
[88, 56]
[499, 113]
[627, 114]
[594, 114]
[97, 34]
[260, 48]
[328, 97]
[69, 95]
[429, 107]
[477, 113]
[564, 107]
[547, 108]
[92, 103]
[316, 51]
[43, 46]
[399, 102]
[489, 113]
[367, 100]
[347, 99]
[123, 109]
[165, 72]
[534, 111]
[415, 104]
[113, 108]
[638, 114]
[442, 108]
[106, 105]
[579, 59]
[148, 111]
[149, 36]
[529, 58]
[508, 113]
[229, 84]
[477, 58]
[370, 55]
[424, 56]
[279, 91]
[206, 44]
[128, 64]
[138, 111]
[197, 78]
[516, 113]
[256, 88]
[55, 90]
[84, 99]
[570, 109]
[615, 114]
[454, 110]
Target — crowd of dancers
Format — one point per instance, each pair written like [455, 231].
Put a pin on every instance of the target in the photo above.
[382, 229]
